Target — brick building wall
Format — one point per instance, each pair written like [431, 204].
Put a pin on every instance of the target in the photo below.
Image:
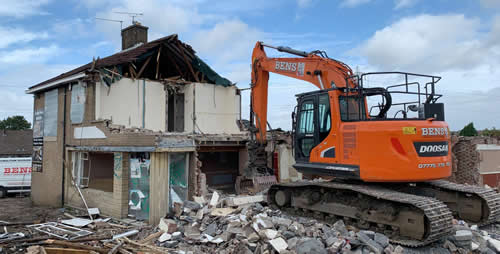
[466, 159]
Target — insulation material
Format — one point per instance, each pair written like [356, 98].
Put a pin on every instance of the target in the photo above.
[77, 103]
[139, 186]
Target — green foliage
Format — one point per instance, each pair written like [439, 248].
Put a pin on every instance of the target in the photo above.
[469, 130]
[14, 123]
[491, 133]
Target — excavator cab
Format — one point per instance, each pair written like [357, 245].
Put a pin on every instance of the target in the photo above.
[329, 123]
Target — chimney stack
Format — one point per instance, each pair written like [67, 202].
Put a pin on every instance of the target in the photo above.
[133, 35]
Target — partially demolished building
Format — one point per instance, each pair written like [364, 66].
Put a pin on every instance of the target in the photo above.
[136, 131]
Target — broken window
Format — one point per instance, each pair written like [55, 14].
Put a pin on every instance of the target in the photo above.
[50, 114]
[139, 186]
[93, 170]
[178, 166]
[221, 168]
[77, 102]
[175, 114]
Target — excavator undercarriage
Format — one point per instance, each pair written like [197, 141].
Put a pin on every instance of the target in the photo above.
[409, 219]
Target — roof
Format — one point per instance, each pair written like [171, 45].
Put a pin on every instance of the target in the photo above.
[16, 142]
[175, 57]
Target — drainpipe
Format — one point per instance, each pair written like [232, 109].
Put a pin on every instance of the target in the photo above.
[64, 147]
[143, 103]
[194, 107]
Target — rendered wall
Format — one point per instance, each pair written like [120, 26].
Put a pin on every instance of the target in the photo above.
[489, 158]
[216, 109]
[125, 104]
[52, 159]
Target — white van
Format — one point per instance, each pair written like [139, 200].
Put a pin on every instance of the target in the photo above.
[15, 175]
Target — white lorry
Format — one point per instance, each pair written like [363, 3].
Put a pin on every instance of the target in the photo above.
[15, 175]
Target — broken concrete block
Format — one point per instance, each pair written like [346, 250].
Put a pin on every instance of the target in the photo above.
[176, 235]
[381, 239]
[199, 214]
[463, 235]
[167, 225]
[374, 246]
[199, 199]
[194, 206]
[253, 237]
[494, 244]
[309, 246]
[165, 237]
[211, 229]
[214, 199]
[222, 211]
[339, 226]
[268, 234]
[281, 221]
[292, 242]
[264, 223]
[450, 246]
[243, 200]
[279, 244]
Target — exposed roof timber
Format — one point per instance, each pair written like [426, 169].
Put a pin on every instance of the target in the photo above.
[182, 60]
[56, 83]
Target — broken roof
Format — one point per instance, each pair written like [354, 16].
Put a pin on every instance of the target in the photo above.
[167, 57]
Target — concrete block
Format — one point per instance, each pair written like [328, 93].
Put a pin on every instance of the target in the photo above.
[214, 199]
[374, 246]
[243, 200]
[279, 244]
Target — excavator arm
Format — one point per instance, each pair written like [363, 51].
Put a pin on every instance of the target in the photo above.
[314, 67]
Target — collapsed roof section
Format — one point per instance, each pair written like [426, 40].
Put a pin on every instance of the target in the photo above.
[166, 58]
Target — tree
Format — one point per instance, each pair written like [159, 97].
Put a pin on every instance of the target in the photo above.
[14, 123]
[468, 130]
[491, 133]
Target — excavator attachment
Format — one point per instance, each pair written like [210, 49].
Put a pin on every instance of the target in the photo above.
[257, 176]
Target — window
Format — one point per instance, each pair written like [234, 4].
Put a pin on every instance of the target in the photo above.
[306, 124]
[93, 170]
[352, 108]
[77, 103]
[305, 131]
[50, 114]
[324, 116]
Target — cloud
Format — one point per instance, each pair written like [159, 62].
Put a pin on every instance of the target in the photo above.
[404, 3]
[304, 3]
[13, 82]
[433, 44]
[490, 3]
[29, 55]
[353, 3]
[23, 8]
[472, 106]
[227, 41]
[9, 36]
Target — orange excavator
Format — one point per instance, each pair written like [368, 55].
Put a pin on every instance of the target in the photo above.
[385, 160]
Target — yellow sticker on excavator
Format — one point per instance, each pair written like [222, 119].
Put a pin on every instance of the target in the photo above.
[409, 130]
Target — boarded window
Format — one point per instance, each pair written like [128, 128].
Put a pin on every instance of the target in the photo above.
[77, 103]
[50, 114]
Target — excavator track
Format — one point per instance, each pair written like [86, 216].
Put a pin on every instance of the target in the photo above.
[414, 220]
[490, 199]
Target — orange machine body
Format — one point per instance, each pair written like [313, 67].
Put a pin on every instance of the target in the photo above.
[372, 150]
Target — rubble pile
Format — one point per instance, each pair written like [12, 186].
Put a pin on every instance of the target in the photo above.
[223, 225]
[201, 227]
